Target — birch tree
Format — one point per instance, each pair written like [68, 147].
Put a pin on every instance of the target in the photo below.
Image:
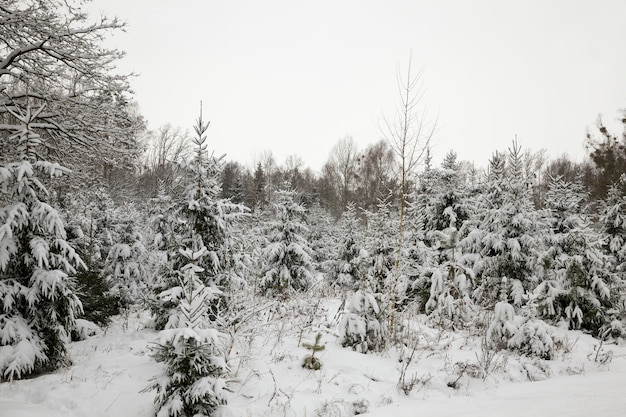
[409, 133]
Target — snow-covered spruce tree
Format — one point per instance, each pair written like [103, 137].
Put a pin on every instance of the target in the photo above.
[349, 263]
[205, 216]
[287, 256]
[581, 285]
[364, 326]
[164, 229]
[420, 257]
[444, 190]
[381, 246]
[193, 383]
[86, 216]
[37, 288]
[508, 235]
[446, 206]
[322, 239]
[613, 220]
[125, 263]
[452, 279]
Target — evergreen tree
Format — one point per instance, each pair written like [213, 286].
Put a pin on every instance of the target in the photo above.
[36, 262]
[420, 257]
[508, 234]
[165, 230]
[259, 183]
[613, 220]
[447, 211]
[581, 286]
[509, 330]
[452, 280]
[204, 217]
[86, 217]
[381, 246]
[288, 258]
[322, 239]
[364, 325]
[125, 264]
[445, 191]
[349, 264]
[193, 383]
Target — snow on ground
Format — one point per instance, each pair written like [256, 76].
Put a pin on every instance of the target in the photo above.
[110, 370]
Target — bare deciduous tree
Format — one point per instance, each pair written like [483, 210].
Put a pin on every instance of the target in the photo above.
[409, 133]
[51, 55]
[343, 162]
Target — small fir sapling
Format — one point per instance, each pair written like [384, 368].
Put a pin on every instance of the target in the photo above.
[348, 264]
[289, 257]
[311, 361]
[361, 327]
[210, 218]
[193, 384]
[124, 266]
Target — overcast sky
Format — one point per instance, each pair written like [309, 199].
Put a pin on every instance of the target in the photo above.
[296, 76]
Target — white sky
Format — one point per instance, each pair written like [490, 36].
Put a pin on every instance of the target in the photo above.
[296, 76]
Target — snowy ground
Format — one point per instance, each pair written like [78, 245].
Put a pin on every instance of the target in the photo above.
[111, 369]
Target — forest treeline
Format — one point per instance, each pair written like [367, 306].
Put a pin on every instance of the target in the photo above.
[97, 215]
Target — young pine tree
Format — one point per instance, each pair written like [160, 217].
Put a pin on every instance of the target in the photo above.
[202, 215]
[86, 217]
[37, 265]
[452, 280]
[364, 326]
[125, 264]
[581, 286]
[288, 258]
[613, 220]
[193, 383]
[508, 234]
[349, 265]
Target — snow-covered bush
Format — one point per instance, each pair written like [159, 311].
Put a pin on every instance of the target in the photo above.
[529, 337]
[361, 327]
[84, 329]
